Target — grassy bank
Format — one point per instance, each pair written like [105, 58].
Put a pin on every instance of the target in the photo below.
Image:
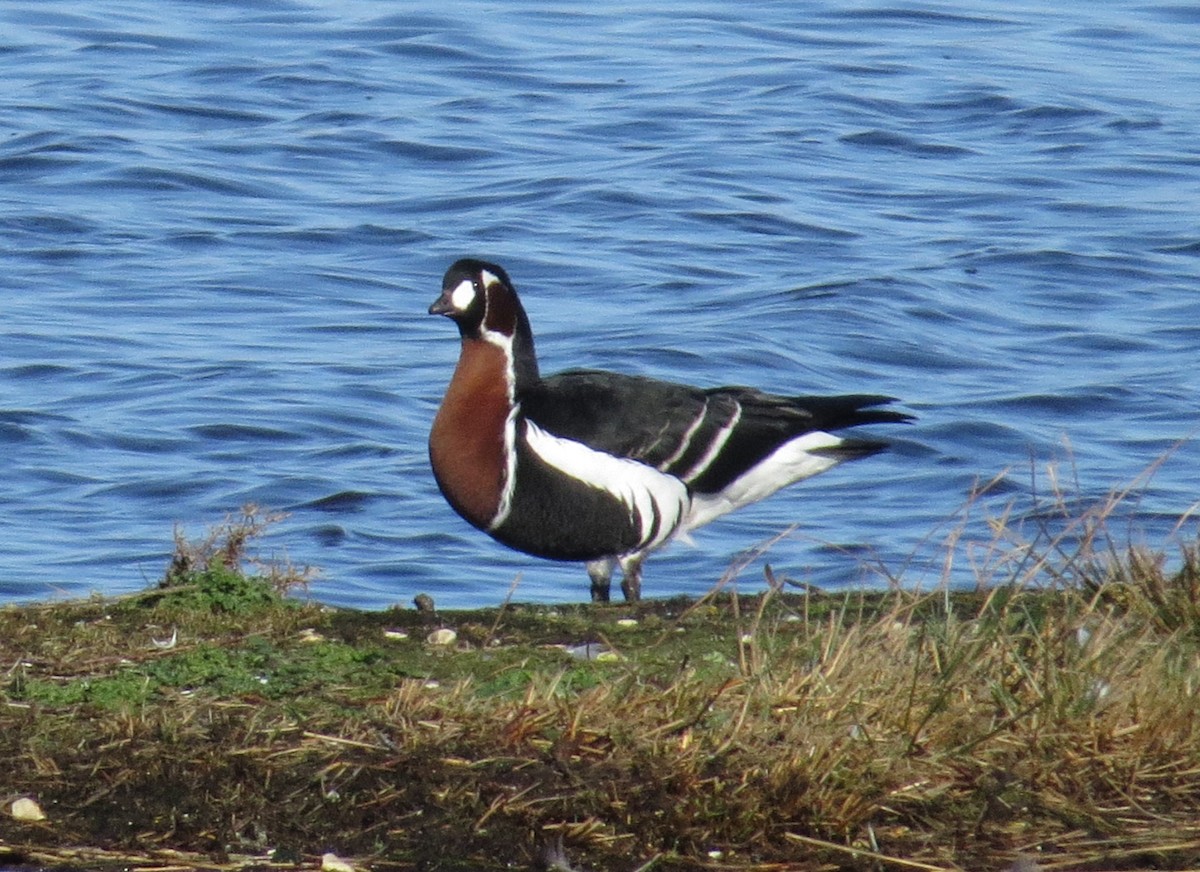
[213, 722]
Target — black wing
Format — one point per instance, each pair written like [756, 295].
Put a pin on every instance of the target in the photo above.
[708, 438]
[623, 415]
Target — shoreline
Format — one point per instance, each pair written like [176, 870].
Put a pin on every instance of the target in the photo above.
[214, 722]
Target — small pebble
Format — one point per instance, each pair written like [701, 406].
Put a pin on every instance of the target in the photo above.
[443, 636]
[395, 635]
[333, 863]
[26, 809]
[627, 622]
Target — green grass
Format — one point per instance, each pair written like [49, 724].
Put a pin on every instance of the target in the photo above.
[214, 721]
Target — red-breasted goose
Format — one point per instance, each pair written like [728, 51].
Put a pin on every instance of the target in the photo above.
[603, 467]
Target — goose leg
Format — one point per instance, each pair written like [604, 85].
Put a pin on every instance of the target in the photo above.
[631, 581]
[600, 572]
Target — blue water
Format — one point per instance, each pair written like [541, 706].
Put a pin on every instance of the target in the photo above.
[222, 224]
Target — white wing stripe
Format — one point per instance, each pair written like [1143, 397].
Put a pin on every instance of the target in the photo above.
[686, 441]
[715, 448]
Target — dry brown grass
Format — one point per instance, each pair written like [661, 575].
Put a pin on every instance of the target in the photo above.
[1054, 717]
[229, 545]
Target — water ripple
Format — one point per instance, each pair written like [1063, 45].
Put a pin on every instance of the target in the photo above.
[224, 223]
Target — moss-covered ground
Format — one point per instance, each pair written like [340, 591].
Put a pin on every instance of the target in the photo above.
[214, 722]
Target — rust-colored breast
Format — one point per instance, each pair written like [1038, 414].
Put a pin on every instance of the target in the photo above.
[466, 444]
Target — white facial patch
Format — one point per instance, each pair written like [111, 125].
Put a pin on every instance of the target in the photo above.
[463, 296]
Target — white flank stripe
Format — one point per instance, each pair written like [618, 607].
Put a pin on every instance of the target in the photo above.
[790, 462]
[715, 448]
[687, 438]
[642, 489]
